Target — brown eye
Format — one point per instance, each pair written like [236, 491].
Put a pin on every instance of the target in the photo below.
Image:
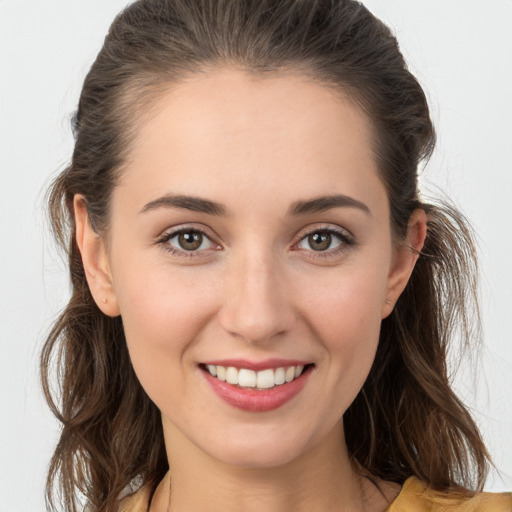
[320, 241]
[189, 240]
[323, 240]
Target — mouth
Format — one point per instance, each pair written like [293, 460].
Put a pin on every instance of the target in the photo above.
[246, 378]
[257, 389]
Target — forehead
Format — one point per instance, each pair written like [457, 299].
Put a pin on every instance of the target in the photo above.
[227, 131]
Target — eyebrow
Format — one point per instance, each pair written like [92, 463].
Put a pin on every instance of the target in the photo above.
[198, 204]
[195, 204]
[321, 204]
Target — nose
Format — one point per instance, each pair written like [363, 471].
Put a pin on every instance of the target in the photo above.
[257, 304]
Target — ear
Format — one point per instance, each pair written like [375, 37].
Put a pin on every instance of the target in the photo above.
[404, 259]
[94, 260]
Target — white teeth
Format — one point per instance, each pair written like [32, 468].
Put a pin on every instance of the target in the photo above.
[247, 378]
[221, 373]
[232, 375]
[279, 376]
[290, 374]
[264, 379]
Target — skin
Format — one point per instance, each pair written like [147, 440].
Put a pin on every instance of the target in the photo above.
[255, 289]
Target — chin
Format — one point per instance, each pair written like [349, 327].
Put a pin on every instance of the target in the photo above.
[257, 456]
[260, 448]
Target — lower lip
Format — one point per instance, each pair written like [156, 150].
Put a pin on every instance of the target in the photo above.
[257, 401]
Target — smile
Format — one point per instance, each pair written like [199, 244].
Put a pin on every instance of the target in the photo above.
[263, 379]
[264, 387]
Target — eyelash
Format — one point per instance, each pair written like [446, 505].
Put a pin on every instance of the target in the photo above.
[163, 241]
[346, 240]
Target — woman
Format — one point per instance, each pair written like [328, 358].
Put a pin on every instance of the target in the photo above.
[261, 303]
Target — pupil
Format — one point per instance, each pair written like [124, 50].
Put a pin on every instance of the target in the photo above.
[320, 241]
[190, 240]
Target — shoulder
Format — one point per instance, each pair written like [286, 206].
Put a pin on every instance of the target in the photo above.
[415, 496]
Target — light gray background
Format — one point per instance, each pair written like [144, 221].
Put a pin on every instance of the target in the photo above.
[461, 50]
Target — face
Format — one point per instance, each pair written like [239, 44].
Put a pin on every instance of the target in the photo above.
[250, 231]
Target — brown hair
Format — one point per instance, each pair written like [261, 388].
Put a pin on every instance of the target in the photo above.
[406, 420]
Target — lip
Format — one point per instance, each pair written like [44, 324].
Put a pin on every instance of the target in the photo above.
[268, 364]
[253, 400]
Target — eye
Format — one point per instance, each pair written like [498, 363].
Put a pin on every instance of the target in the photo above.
[186, 242]
[190, 240]
[320, 241]
[325, 242]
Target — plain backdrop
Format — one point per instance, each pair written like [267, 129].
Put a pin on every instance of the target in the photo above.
[461, 51]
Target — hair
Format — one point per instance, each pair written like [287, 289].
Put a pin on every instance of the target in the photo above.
[406, 420]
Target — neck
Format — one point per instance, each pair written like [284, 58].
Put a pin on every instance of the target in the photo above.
[322, 479]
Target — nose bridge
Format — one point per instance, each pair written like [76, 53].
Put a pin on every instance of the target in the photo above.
[257, 304]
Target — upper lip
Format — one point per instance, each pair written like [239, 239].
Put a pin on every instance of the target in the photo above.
[257, 365]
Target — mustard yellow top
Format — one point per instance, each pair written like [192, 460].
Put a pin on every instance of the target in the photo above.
[414, 497]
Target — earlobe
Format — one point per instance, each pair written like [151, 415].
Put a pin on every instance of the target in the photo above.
[405, 259]
[94, 259]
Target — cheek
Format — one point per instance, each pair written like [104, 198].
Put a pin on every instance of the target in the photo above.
[163, 313]
[347, 302]
[345, 314]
